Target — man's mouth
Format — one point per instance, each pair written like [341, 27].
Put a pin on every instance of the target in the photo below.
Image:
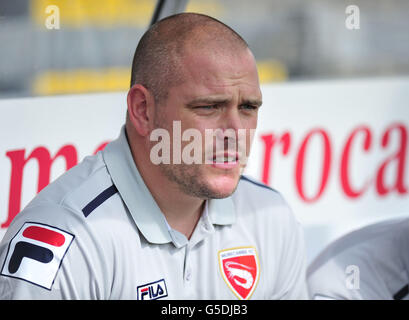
[226, 160]
[225, 157]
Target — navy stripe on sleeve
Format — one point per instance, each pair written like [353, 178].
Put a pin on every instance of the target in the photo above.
[100, 199]
[401, 293]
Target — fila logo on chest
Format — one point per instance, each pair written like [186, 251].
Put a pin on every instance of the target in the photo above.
[152, 291]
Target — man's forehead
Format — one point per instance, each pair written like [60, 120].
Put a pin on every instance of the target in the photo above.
[219, 90]
[220, 69]
[216, 56]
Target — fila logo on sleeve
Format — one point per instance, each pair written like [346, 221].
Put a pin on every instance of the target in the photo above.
[35, 254]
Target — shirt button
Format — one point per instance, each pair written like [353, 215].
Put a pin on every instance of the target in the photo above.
[188, 275]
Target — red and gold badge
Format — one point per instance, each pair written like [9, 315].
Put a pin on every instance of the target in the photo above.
[240, 270]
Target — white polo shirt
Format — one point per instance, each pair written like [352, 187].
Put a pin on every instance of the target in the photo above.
[371, 263]
[97, 233]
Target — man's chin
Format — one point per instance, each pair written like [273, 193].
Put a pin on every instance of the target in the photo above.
[202, 182]
[222, 186]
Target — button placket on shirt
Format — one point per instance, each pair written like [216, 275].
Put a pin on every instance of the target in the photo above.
[204, 229]
[186, 268]
[188, 274]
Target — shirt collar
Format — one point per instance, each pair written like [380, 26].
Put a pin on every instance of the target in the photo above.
[144, 210]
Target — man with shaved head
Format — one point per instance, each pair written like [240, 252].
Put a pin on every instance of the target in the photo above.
[164, 211]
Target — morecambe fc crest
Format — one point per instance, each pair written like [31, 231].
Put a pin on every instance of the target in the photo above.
[240, 270]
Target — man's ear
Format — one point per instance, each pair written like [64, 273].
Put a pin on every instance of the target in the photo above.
[140, 106]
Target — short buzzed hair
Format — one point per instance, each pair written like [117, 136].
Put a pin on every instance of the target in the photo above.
[156, 63]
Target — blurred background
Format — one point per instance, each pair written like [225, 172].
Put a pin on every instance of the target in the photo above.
[292, 40]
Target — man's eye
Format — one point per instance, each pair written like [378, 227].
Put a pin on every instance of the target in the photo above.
[248, 107]
[207, 107]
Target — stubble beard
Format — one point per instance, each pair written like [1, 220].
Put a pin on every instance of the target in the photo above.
[189, 181]
[189, 178]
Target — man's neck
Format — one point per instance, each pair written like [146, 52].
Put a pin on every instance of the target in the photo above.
[181, 211]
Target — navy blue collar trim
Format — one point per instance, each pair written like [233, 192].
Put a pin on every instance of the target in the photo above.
[262, 185]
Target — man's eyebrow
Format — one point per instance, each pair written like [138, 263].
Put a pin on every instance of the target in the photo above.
[208, 101]
[255, 102]
[221, 100]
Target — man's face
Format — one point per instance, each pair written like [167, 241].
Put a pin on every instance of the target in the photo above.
[219, 92]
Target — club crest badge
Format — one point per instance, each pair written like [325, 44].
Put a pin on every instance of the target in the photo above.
[240, 270]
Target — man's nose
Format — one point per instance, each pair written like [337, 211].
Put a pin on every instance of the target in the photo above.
[229, 125]
[232, 120]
